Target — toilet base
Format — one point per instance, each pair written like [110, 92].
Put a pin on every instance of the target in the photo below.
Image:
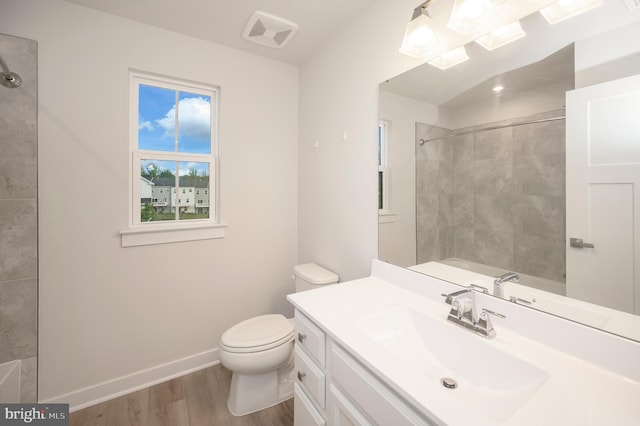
[254, 392]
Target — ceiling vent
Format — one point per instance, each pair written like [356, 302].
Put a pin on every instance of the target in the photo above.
[269, 30]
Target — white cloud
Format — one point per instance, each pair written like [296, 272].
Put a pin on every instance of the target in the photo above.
[146, 125]
[195, 118]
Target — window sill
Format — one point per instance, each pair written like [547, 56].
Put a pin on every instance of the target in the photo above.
[149, 235]
[386, 217]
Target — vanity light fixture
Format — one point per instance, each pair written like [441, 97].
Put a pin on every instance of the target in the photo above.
[419, 38]
[471, 16]
[501, 36]
[565, 9]
[450, 58]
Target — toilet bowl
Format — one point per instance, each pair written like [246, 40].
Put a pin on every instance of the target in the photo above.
[259, 352]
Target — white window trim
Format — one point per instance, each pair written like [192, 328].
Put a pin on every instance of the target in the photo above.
[138, 233]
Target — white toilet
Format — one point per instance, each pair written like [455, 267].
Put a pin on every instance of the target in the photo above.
[259, 351]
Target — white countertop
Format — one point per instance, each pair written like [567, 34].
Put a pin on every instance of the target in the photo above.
[577, 391]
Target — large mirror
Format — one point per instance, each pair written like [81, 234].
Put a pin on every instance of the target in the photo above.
[477, 181]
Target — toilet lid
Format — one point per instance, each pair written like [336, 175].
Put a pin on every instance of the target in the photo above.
[257, 334]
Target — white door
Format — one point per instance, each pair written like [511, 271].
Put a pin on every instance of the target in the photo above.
[603, 194]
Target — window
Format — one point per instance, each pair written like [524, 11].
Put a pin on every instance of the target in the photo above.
[174, 146]
[383, 173]
[174, 143]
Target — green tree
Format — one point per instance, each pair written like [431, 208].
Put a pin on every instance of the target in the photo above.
[147, 213]
[166, 173]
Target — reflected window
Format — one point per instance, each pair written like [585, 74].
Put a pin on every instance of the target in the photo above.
[383, 172]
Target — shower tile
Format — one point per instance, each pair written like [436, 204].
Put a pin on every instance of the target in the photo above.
[539, 175]
[428, 246]
[493, 177]
[494, 248]
[494, 213]
[464, 210]
[427, 211]
[18, 325]
[18, 163]
[539, 139]
[540, 256]
[463, 182]
[434, 150]
[539, 215]
[446, 237]
[462, 153]
[445, 210]
[28, 380]
[464, 243]
[496, 144]
[18, 239]
[428, 177]
[445, 177]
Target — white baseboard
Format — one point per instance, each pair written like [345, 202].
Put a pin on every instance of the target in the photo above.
[110, 389]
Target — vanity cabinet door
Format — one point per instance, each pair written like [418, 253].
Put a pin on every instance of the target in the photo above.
[342, 412]
[381, 404]
[304, 413]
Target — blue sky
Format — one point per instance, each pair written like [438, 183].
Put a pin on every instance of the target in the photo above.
[156, 123]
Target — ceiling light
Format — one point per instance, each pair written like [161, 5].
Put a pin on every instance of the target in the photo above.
[501, 36]
[450, 58]
[565, 9]
[419, 38]
[471, 16]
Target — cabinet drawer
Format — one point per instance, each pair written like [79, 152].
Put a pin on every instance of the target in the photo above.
[342, 412]
[311, 337]
[304, 413]
[310, 377]
[371, 395]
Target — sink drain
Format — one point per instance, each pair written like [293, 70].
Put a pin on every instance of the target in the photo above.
[448, 383]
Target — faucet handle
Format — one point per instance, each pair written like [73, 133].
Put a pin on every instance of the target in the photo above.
[488, 311]
[479, 287]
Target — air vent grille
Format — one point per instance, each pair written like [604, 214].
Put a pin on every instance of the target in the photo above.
[269, 30]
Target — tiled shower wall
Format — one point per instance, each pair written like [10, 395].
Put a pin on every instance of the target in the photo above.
[502, 202]
[18, 214]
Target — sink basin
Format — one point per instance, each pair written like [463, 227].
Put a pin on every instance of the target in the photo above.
[489, 380]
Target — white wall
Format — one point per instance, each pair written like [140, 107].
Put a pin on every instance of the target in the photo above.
[110, 318]
[397, 239]
[338, 217]
[522, 104]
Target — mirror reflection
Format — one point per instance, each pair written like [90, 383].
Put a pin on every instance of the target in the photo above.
[481, 171]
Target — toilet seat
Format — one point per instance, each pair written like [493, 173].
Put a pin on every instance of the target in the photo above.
[257, 334]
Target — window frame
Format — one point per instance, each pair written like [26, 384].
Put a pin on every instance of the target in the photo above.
[383, 169]
[143, 233]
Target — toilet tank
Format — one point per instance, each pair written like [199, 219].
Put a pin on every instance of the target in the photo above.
[309, 276]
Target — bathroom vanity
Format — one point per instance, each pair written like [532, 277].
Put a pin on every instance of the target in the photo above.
[380, 350]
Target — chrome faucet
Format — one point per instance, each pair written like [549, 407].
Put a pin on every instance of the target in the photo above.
[464, 312]
[499, 281]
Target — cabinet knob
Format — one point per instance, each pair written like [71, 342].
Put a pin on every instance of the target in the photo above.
[301, 375]
[301, 337]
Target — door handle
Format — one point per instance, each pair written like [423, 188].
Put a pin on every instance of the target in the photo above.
[579, 243]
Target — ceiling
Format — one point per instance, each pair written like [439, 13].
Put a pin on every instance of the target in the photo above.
[222, 21]
[523, 65]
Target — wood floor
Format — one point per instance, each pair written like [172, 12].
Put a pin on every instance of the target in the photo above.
[197, 399]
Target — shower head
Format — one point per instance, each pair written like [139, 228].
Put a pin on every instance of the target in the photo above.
[7, 78]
